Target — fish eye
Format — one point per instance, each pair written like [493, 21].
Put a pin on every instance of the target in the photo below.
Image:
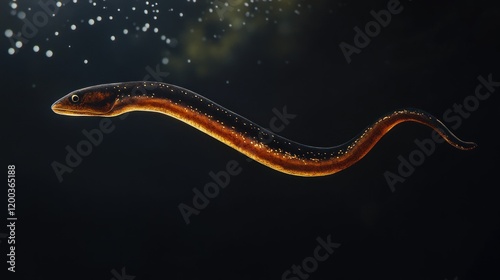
[75, 98]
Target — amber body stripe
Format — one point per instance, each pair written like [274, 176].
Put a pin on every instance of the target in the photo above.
[238, 132]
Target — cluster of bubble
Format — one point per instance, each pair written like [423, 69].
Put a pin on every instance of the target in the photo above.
[227, 9]
[38, 17]
[232, 17]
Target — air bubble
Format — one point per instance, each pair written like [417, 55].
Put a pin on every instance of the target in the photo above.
[21, 15]
[8, 33]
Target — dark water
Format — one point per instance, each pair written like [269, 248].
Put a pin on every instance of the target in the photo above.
[116, 214]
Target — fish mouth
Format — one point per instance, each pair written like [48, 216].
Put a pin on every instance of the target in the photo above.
[65, 111]
[59, 108]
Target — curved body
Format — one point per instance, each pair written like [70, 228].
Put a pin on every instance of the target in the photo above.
[238, 132]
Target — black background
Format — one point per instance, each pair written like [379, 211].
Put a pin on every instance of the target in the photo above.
[119, 207]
